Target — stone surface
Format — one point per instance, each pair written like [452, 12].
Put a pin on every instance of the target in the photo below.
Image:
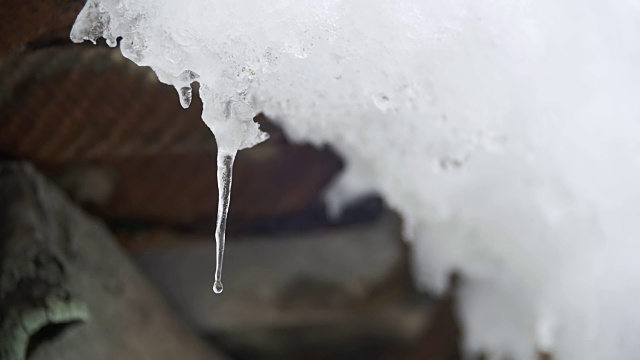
[319, 288]
[68, 292]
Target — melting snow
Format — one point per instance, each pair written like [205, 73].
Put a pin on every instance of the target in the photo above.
[505, 132]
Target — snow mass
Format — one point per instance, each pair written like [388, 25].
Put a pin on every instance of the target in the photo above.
[505, 132]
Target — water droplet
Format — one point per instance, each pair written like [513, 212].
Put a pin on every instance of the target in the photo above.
[185, 96]
[225, 167]
[111, 41]
[217, 287]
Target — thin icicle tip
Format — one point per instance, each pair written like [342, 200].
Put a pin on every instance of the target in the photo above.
[225, 177]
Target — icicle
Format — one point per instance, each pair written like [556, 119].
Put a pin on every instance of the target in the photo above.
[225, 167]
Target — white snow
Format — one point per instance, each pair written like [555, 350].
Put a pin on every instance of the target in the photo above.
[505, 132]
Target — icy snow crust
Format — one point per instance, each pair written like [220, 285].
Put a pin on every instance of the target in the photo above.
[506, 133]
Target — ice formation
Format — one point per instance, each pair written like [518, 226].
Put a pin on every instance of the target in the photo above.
[505, 132]
[225, 168]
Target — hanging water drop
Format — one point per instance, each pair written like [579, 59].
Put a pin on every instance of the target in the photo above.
[111, 41]
[225, 166]
[185, 94]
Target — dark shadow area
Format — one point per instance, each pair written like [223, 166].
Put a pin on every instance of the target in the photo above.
[48, 333]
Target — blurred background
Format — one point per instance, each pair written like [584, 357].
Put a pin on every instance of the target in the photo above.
[139, 171]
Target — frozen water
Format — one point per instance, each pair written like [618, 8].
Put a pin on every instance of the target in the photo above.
[185, 94]
[505, 132]
[225, 169]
